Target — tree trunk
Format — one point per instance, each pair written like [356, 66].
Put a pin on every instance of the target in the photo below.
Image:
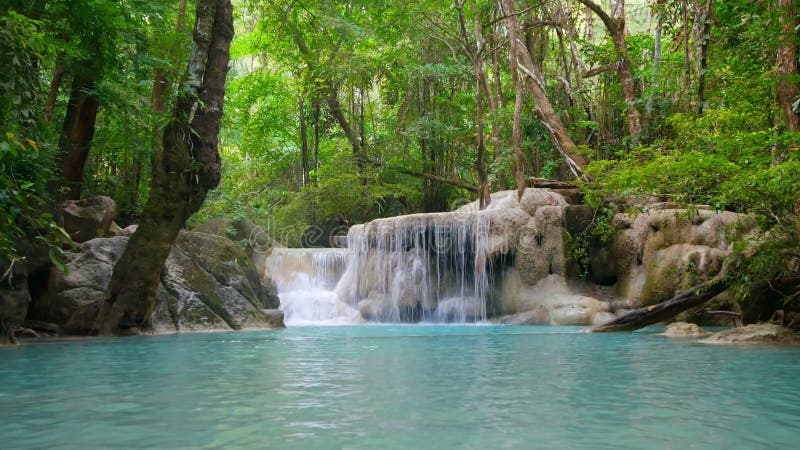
[301, 111]
[642, 317]
[350, 134]
[535, 86]
[55, 85]
[687, 71]
[78, 132]
[475, 55]
[516, 130]
[316, 136]
[787, 90]
[704, 45]
[616, 28]
[190, 167]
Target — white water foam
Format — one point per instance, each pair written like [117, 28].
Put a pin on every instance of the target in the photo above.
[423, 267]
[305, 279]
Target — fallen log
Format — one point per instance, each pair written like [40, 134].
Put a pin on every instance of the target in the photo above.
[549, 184]
[642, 317]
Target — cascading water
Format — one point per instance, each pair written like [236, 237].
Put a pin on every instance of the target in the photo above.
[423, 267]
[305, 279]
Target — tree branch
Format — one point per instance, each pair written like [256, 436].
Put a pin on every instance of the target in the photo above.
[600, 69]
[607, 20]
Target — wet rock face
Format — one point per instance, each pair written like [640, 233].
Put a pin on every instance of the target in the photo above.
[208, 283]
[88, 275]
[665, 251]
[764, 333]
[88, 218]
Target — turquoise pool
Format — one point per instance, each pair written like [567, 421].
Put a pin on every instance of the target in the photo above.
[398, 387]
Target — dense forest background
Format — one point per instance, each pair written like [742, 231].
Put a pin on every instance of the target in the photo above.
[341, 112]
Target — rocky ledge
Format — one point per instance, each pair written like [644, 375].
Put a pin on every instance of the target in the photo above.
[208, 283]
[764, 333]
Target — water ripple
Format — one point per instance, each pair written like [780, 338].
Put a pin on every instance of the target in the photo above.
[398, 387]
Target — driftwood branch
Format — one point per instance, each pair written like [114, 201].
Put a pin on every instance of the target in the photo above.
[722, 313]
[642, 317]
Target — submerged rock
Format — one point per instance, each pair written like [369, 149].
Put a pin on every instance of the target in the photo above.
[754, 334]
[208, 283]
[683, 329]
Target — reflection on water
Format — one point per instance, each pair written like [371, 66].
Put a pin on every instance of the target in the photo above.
[399, 386]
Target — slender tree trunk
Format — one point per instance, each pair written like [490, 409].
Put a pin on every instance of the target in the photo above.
[316, 137]
[657, 57]
[78, 132]
[589, 17]
[704, 46]
[55, 85]
[787, 90]
[301, 112]
[475, 55]
[535, 86]
[190, 167]
[491, 100]
[498, 86]
[687, 70]
[516, 131]
[616, 28]
[350, 134]
[362, 130]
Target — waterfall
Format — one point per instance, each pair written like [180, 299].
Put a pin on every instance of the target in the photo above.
[421, 267]
[305, 279]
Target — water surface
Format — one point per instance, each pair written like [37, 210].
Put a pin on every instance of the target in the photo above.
[398, 387]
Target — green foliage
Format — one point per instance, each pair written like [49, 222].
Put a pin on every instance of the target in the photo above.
[23, 163]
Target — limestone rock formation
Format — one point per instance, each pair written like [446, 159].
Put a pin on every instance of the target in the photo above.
[208, 283]
[88, 218]
[665, 250]
[764, 333]
[256, 242]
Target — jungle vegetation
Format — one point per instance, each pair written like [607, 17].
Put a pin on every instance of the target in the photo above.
[341, 112]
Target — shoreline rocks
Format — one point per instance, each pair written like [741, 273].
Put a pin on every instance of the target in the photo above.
[208, 283]
[683, 329]
[763, 333]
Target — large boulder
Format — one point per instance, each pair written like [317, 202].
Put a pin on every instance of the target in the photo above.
[85, 281]
[88, 218]
[764, 333]
[256, 242]
[208, 283]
